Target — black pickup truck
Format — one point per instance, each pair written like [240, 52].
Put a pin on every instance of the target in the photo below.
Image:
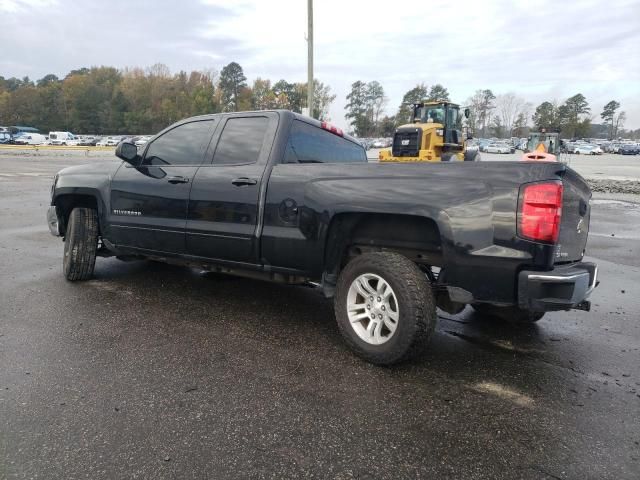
[278, 196]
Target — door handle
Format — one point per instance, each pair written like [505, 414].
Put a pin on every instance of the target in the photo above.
[243, 181]
[175, 180]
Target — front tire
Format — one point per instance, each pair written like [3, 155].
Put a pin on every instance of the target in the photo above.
[507, 314]
[80, 244]
[471, 156]
[385, 307]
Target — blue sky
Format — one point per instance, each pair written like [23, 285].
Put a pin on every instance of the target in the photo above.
[539, 50]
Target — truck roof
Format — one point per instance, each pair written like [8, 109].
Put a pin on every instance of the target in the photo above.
[281, 112]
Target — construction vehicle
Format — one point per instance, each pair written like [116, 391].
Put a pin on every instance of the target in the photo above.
[435, 135]
[550, 141]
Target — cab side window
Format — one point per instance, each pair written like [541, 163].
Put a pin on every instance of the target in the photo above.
[183, 145]
[241, 141]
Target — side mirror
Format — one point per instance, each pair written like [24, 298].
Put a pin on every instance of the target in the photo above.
[466, 113]
[128, 152]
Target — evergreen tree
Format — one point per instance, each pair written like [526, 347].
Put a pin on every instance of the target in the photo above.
[232, 81]
[415, 95]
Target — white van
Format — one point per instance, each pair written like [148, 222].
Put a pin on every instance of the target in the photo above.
[30, 139]
[62, 138]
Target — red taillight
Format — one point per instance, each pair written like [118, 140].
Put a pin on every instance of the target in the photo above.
[332, 129]
[540, 212]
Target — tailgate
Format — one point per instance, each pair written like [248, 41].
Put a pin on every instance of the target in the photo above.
[574, 226]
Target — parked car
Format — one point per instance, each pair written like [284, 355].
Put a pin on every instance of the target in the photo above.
[278, 196]
[607, 147]
[497, 148]
[111, 141]
[512, 148]
[597, 150]
[87, 141]
[483, 143]
[586, 149]
[6, 138]
[141, 141]
[629, 149]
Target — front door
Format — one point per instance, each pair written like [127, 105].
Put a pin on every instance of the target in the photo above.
[224, 204]
[149, 202]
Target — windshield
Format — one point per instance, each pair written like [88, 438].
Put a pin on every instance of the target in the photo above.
[430, 114]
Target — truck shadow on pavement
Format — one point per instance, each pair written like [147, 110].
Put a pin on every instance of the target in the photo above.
[285, 316]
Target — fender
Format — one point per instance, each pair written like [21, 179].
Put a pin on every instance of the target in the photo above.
[81, 183]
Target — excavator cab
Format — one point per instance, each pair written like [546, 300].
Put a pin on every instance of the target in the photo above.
[434, 135]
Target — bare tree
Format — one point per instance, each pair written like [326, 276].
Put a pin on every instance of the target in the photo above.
[159, 70]
[509, 108]
[619, 123]
[376, 100]
[481, 106]
[211, 74]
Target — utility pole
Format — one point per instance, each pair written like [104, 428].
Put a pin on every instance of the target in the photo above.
[310, 57]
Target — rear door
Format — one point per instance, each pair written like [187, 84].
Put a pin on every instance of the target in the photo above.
[292, 237]
[149, 202]
[225, 196]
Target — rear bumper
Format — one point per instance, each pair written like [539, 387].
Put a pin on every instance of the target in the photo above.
[54, 221]
[562, 288]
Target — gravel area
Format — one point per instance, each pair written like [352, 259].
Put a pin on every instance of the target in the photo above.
[606, 185]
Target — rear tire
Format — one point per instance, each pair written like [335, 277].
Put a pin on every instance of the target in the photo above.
[410, 316]
[80, 244]
[507, 314]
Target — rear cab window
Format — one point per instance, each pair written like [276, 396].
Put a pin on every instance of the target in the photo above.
[310, 144]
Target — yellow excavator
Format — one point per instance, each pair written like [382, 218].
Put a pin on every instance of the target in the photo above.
[434, 136]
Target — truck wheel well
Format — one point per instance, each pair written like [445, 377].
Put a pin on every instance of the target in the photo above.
[66, 203]
[352, 234]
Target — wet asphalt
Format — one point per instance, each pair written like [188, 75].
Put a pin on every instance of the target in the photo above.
[157, 371]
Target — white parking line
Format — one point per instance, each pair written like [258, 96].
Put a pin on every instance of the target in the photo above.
[615, 236]
[26, 174]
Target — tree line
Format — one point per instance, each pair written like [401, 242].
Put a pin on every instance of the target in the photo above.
[134, 101]
[104, 100]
